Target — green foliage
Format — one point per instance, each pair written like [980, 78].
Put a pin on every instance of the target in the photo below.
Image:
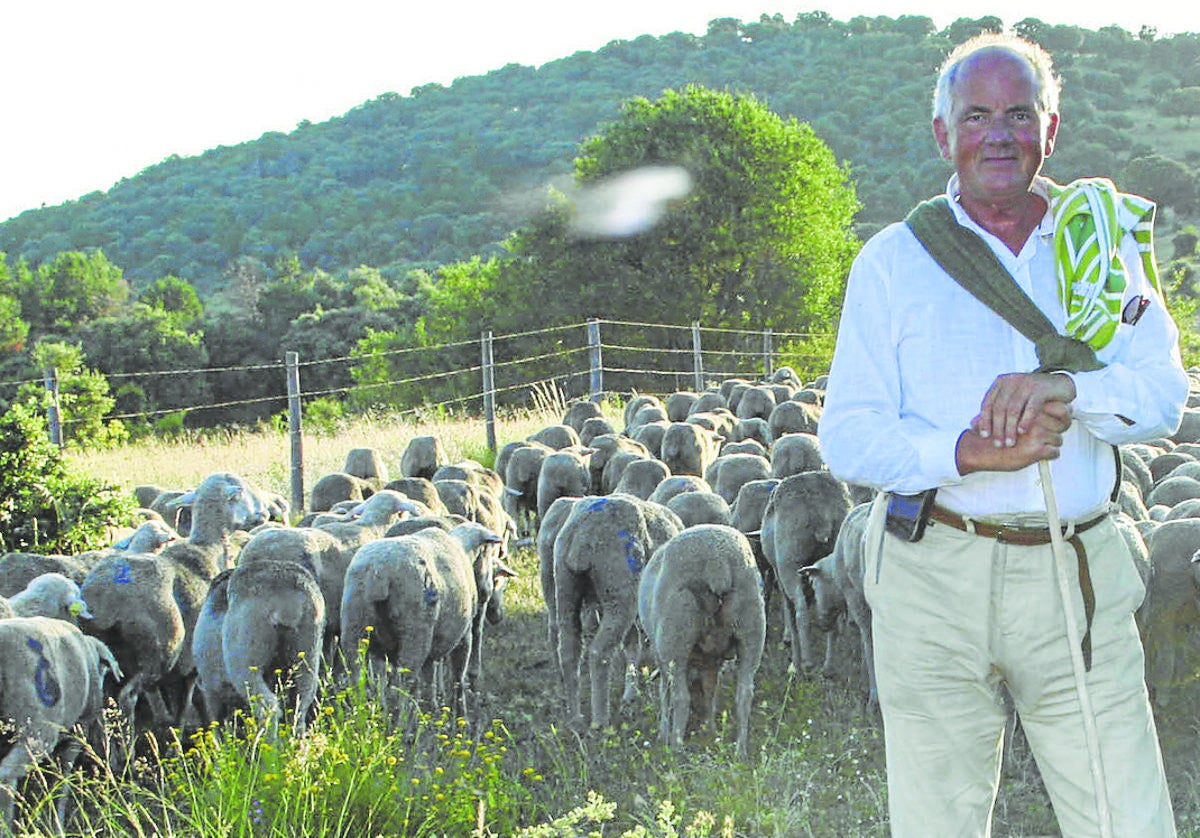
[322, 416]
[176, 297]
[69, 290]
[83, 395]
[45, 507]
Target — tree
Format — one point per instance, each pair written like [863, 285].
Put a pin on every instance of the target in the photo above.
[1167, 181]
[175, 297]
[763, 237]
[83, 395]
[72, 289]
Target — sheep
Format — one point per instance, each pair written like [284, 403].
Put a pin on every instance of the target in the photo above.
[557, 437]
[641, 477]
[334, 487]
[1174, 489]
[563, 473]
[460, 497]
[273, 622]
[786, 375]
[745, 446]
[421, 490]
[604, 447]
[551, 523]
[677, 483]
[757, 401]
[709, 401]
[521, 471]
[727, 386]
[729, 472]
[650, 436]
[837, 583]
[150, 537]
[145, 606]
[695, 508]
[615, 468]
[18, 569]
[793, 417]
[598, 555]
[800, 524]
[746, 516]
[418, 599]
[319, 552]
[578, 412]
[1171, 611]
[594, 427]
[637, 403]
[51, 679]
[720, 421]
[50, 595]
[679, 404]
[688, 448]
[474, 473]
[422, 457]
[367, 464]
[646, 415]
[700, 604]
[795, 452]
[177, 515]
[753, 429]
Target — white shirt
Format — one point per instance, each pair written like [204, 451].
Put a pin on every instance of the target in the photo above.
[916, 353]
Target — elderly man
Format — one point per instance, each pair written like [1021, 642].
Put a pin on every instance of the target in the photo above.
[947, 400]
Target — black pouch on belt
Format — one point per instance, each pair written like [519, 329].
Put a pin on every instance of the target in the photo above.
[908, 514]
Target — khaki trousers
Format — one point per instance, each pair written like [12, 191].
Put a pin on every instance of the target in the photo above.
[955, 616]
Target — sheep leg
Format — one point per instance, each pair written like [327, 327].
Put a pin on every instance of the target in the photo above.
[569, 603]
[459, 657]
[615, 622]
[634, 644]
[681, 700]
[747, 666]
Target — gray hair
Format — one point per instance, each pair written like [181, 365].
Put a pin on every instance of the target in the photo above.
[1035, 55]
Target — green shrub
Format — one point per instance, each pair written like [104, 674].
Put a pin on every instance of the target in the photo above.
[45, 507]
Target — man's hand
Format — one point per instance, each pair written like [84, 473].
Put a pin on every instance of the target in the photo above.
[1021, 421]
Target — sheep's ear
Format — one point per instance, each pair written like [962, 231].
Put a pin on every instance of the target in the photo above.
[185, 499]
[500, 569]
[510, 490]
[810, 570]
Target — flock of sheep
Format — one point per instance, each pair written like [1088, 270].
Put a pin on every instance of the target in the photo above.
[672, 534]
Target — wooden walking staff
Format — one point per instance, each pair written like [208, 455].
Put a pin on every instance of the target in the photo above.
[1091, 734]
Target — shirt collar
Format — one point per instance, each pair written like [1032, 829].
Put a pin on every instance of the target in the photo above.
[1039, 187]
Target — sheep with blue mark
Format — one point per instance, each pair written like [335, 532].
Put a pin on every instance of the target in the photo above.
[145, 606]
[418, 600]
[599, 555]
[51, 680]
[700, 604]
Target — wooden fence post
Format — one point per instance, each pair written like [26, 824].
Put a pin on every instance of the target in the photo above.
[489, 389]
[53, 420]
[595, 364]
[697, 358]
[295, 420]
[768, 354]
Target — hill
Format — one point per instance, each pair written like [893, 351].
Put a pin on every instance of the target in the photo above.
[445, 173]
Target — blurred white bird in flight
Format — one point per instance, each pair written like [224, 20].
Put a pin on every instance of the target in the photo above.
[627, 203]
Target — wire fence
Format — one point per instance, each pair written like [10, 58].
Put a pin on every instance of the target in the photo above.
[591, 360]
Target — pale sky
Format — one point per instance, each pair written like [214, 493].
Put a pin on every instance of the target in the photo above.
[93, 92]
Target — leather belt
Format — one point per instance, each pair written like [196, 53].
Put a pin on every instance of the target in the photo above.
[1005, 534]
[1031, 537]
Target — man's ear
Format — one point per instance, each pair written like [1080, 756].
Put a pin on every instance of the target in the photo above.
[942, 136]
[1051, 134]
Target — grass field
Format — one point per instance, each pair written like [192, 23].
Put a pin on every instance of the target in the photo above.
[816, 765]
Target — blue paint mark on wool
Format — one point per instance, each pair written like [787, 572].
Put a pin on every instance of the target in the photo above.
[631, 557]
[48, 690]
[431, 596]
[124, 574]
[598, 504]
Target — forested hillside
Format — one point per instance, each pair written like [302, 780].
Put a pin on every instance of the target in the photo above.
[438, 175]
[426, 218]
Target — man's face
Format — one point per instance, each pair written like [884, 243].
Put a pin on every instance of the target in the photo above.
[996, 135]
